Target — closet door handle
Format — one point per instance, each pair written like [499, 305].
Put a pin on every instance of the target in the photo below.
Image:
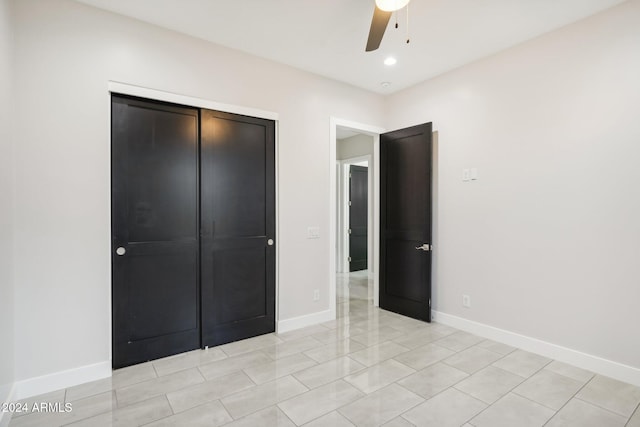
[121, 251]
[270, 242]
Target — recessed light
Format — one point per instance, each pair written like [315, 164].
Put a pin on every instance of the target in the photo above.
[390, 61]
[385, 84]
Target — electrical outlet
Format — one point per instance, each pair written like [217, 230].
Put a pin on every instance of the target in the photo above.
[466, 301]
[316, 295]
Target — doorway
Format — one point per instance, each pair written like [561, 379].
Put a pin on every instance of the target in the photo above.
[355, 265]
[355, 280]
[405, 282]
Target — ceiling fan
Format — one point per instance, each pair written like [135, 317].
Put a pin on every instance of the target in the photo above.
[381, 16]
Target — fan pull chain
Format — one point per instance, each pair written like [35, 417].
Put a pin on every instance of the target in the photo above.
[407, 24]
[396, 14]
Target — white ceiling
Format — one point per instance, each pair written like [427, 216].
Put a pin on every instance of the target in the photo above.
[328, 37]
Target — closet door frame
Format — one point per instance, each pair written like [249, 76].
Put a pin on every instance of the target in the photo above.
[119, 88]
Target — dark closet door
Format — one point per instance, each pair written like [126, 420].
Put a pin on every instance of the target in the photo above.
[405, 221]
[155, 291]
[358, 202]
[237, 227]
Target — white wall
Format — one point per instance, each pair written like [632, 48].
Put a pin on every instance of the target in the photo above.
[546, 242]
[354, 146]
[66, 53]
[6, 207]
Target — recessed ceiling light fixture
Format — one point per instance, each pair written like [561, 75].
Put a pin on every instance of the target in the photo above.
[385, 84]
[390, 61]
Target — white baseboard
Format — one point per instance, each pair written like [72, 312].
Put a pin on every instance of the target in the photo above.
[59, 380]
[6, 395]
[595, 364]
[287, 325]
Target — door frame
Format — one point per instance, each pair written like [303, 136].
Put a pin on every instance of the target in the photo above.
[114, 87]
[374, 131]
[343, 209]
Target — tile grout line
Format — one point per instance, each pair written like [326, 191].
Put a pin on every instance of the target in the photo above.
[539, 403]
[165, 393]
[636, 411]
[112, 392]
[414, 406]
[488, 404]
[163, 418]
[445, 389]
[570, 399]
[166, 397]
[285, 414]
[501, 397]
[600, 407]
[555, 411]
[473, 373]
[531, 376]
[258, 410]
[337, 409]
[510, 391]
[115, 395]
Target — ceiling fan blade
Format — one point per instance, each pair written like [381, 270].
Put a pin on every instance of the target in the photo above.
[379, 24]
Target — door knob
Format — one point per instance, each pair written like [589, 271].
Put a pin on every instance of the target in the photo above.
[121, 251]
[426, 247]
[270, 242]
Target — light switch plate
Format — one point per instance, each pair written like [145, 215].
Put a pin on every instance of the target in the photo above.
[473, 174]
[313, 232]
[465, 174]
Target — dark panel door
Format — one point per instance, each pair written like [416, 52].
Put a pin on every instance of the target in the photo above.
[358, 202]
[238, 227]
[405, 221]
[155, 290]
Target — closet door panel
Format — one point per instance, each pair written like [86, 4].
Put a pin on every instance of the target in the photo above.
[155, 227]
[238, 227]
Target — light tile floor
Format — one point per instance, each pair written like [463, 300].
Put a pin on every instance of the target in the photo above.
[369, 367]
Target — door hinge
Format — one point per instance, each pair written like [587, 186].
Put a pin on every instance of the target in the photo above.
[349, 174]
[349, 231]
[349, 259]
[349, 202]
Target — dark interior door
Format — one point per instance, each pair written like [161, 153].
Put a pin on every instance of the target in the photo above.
[237, 227]
[155, 288]
[358, 202]
[405, 221]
